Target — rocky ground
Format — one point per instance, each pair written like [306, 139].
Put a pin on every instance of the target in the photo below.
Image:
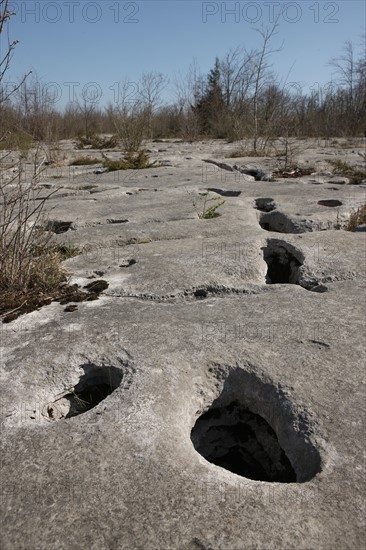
[211, 397]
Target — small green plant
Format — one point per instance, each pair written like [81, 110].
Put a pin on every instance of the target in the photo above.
[203, 209]
[357, 218]
[342, 168]
[85, 161]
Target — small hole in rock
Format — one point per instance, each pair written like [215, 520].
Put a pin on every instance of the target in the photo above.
[265, 204]
[58, 227]
[97, 286]
[128, 263]
[93, 387]
[330, 203]
[224, 192]
[283, 266]
[278, 222]
[200, 293]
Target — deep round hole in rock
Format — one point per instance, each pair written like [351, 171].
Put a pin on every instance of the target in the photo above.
[94, 386]
[253, 431]
[243, 442]
[283, 266]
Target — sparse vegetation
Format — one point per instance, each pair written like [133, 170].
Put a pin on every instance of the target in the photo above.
[85, 161]
[242, 153]
[31, 271]
[343, 168]
[97, 142]
[27, 259]
[16, 141]
[357, 218]
[203, 209]
[131, 161]
[66, 251]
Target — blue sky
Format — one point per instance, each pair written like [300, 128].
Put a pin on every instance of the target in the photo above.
[107, 41]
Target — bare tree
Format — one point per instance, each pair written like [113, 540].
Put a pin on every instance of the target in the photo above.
[237, 77]
[151, 87]
[7, 50]
[88, 107]
[262, 67]
[129, 116]
[345, 68]
[350, 76]
[237, 73]
[188, 89]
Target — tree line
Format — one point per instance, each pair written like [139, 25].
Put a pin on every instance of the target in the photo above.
[241, 97]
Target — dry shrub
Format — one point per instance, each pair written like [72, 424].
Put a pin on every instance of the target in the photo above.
[30, 263]
[96, 142]
[27, 256]
[138, 161]
[85, 161]
[357, 218]
[342, 168]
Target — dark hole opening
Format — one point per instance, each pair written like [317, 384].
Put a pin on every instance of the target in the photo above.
[242, 442]
[93, 387]
[265, 204]
[330, 203]
[200, 293]
[282, 266]
[58, 226]
[84, 400]
[278, 222]
[224, 192]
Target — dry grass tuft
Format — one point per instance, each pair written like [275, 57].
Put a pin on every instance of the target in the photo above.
[357, 218]
[342, 168]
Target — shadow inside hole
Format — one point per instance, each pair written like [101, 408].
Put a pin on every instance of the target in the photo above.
[277, 222]
[57, 227]
[242, 442]
[96, 384]
[283, 266]
[200, 293]
[93, 387]
[331, 203]
[253, 430]
[224, 192]
[265, 205]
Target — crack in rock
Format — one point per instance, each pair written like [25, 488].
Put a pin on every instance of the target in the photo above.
[192, 294]
[224, 192]
[256, 173]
